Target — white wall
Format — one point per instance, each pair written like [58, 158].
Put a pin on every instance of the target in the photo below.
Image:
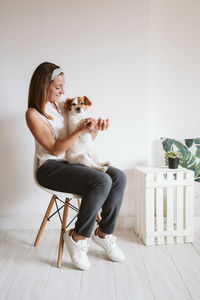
[137, 60]
[174, 76]
[102, 48]
[174, 72]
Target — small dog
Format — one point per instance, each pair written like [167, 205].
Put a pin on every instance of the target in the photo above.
[81, 151]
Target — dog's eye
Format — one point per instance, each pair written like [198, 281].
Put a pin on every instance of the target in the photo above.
[82, 103]
[74, 104]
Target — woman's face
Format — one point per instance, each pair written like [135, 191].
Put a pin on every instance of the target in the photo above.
[56, 88]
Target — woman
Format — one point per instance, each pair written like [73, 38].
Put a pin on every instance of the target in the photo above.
[98, 189]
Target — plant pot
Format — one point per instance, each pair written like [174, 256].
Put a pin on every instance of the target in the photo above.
[173, 162]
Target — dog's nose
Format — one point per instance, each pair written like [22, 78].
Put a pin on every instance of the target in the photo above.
[78, 109]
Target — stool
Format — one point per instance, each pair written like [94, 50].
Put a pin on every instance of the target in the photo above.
[65, 199]
[164, 205]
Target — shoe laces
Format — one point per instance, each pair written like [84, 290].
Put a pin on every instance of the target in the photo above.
[111, 242]
[81, 248]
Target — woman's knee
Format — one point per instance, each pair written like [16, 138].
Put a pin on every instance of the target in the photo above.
[121, 177]
[104, 180]
[118, 177]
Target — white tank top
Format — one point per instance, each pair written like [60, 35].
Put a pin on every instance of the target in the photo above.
[58, 128]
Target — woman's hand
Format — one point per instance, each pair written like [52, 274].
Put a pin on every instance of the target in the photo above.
[89, 124]
[102, 124]
[93, 126]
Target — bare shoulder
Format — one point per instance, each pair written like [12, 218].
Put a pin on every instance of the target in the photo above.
[34, 121]
[39, 128]
[31, 113]
[32, 116]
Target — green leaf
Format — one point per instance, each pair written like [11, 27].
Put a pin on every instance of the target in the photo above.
[196, 141]
[167, 144]
[188, 159]
[197, 172]
[197, 153]
[189, 142]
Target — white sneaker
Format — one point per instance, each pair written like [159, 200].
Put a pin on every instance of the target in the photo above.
[109, 245]
[77, 250]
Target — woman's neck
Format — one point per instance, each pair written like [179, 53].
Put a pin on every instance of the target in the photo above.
[54, 105]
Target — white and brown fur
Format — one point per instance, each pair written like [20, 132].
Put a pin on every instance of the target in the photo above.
[81, 152]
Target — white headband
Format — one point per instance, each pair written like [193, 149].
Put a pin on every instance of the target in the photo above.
[55, 73]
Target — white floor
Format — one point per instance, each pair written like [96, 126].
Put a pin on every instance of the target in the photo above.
[150, 272]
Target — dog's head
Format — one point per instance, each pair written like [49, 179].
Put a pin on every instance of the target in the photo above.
[77, 105]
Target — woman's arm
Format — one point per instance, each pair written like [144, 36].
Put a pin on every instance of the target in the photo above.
[45, 138]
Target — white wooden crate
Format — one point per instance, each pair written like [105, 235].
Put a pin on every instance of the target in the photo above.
[164, 205]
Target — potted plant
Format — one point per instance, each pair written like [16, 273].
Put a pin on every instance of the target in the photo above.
[173, 158]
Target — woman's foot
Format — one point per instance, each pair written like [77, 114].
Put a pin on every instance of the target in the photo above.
[76, 237]
[108, 243]
[100, 233]
[78, 248]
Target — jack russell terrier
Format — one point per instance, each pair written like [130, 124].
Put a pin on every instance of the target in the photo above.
[81, 152]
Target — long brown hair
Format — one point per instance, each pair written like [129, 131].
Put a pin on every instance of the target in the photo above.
[39, 87]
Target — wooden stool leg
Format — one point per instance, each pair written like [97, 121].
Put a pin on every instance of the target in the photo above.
[63, 227]
[99, 217]
[79, 202]
[44, 221]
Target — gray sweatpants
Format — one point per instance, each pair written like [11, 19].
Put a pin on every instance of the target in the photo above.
[98, 190]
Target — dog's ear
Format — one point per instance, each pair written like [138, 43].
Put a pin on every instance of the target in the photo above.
[87, 101]
[68, 104]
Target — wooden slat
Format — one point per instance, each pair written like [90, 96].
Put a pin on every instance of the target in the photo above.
[142, 200]
[181, 183]
[179, 209]
[159, 210]
[138, 196]
[148, 212]
[170, 209]
[170, 233]
[189, 207]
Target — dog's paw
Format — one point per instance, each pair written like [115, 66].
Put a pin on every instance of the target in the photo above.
[106, 164]
[102, 168]
[105, 168]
